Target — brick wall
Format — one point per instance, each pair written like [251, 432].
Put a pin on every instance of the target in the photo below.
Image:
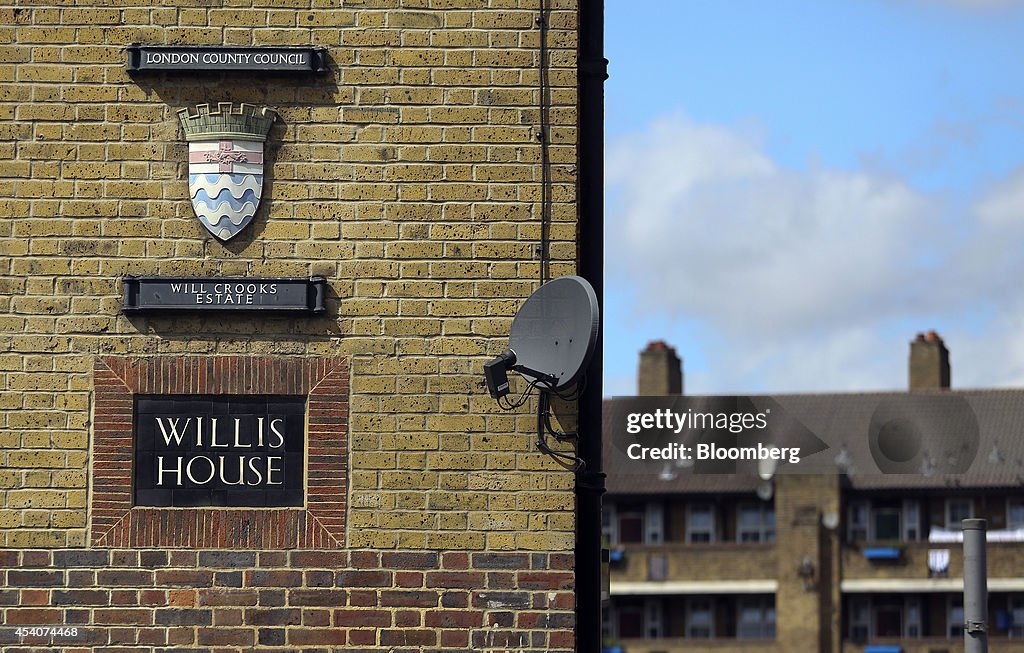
[192, 600]
[408, 176]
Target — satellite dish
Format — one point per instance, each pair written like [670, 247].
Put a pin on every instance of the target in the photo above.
[553, 337]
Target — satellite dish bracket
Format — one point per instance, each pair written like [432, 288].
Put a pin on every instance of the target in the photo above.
[550, 379]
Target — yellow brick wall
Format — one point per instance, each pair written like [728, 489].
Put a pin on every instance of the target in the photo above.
[409, 176]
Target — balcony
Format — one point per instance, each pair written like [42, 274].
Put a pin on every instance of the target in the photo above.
[1005, 560]
[715, 568]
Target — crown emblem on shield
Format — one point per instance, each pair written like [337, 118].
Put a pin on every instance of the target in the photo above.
[225, 163]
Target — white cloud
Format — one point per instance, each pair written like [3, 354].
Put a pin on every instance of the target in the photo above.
[738, 239]
[810, 280]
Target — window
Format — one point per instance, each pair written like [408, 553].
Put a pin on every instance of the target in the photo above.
[700, 523]
[654, 613]
[699, 619]
[911, 521]
[886, 523]
[958, 510]
[857, 524]
[1016, 616]
[608, 534]
[884, 616]
[755, 523]
[860, 619]
[654, 523]
[881, 521]
[756, 618]
[629, 523]
[633, 523]
[912, 623]
[1015, 512]
[629, 620]
[955, 618]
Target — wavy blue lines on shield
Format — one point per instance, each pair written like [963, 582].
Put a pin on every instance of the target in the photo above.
[235, 184]
[225, 202]
[225, 196]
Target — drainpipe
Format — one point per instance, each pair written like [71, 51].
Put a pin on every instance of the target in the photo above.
[591, 73]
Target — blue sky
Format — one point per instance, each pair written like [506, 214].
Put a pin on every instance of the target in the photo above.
[795, 188]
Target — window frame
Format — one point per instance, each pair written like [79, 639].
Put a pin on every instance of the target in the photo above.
[1010, 501]
[691, 508]
[1015, 603]
[691, 611]
[947, 512]
[764, 628]
[861, 604]
[764, 532]
[955, 630]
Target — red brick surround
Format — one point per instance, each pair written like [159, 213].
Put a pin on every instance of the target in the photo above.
[115, 522]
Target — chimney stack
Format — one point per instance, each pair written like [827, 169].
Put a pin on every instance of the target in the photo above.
[929, 363]
[660, 372]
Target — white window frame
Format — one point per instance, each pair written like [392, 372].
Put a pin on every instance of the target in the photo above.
[865, 529]
[654, 523]
[610, 524]
[764, 628]
[609, 621]
[1010, 502]
[954, 628]
[860, 605]
[949, 503]
[855, 526]
[765, 530]
[654, 618]
[911, 520]
[912, 617]
[691, 508]
[691, 610]
[1015, 606]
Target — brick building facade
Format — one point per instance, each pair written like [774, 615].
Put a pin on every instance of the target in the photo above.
[853, 561]
[411, 176]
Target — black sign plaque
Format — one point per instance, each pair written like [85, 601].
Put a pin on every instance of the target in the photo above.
[219, 450]
[226, 59]
[289, 295]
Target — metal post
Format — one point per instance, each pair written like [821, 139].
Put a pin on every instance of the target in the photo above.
[975, 587]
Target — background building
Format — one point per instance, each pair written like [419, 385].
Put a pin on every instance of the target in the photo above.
[845, 562]
[430, 175]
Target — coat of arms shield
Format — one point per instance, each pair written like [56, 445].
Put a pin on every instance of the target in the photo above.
[225, 163]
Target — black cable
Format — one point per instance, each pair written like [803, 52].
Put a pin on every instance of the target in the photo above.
[543, 420]
[573, 463]
[544, 137]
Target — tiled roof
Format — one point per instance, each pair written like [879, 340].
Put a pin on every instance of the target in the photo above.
[959, 439]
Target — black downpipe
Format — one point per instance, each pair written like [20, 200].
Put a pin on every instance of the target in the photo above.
[591, 72]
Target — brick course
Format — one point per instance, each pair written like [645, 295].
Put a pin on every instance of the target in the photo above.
[163, 609]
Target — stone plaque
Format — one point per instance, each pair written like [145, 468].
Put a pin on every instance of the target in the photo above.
[219, 450]
[226, 59]
[289, 295]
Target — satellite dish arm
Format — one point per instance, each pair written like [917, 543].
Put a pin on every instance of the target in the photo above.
[550, 379]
